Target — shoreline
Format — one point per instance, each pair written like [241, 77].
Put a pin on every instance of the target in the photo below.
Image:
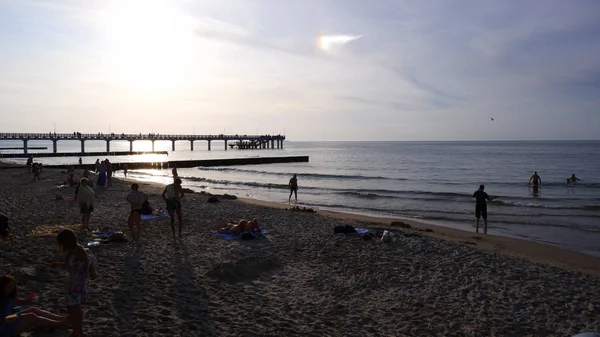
[515, 247]
[519, 248]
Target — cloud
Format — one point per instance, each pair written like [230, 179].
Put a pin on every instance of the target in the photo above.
[331, 42]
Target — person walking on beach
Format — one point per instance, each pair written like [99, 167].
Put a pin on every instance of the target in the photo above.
[97, 164]
[109, 172]
[86, 197]
[172, 195]
[535, 181]
[136, 199]
[101, 181]
[77, 263]
[174, 171]
[293, 184]
[125, 168]
[481, 208]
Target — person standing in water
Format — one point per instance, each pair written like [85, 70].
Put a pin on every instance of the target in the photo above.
[174, 171]
[125, 168]
[481, 208]
[172, 195]
[293, 184]
[573, 179]
[536, 182]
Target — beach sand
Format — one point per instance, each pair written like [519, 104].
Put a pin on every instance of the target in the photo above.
[302, 280]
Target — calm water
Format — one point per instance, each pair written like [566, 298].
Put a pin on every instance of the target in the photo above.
[431, 181]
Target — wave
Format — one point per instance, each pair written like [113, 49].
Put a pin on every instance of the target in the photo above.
[374, 194]
[303, 175]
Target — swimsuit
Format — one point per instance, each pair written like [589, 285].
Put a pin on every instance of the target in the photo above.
[78, 290]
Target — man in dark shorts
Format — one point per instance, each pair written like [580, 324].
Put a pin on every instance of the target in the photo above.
[172, 195]
[5, 229]
[135, 199]
[293, 188]
[481, 208]
[535, 181]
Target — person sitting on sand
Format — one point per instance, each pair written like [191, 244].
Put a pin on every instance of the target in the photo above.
[71, 180]
[234, 228]
[5, 232]
[14, 324]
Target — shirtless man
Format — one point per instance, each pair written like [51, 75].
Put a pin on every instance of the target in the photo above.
[136, 199]
[537, 181]
[172, 195]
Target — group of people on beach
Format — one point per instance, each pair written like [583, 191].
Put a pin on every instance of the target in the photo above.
[481, 198]
[18, 315]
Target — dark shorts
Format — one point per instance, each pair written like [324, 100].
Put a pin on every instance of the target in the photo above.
[86, 209]
[173, 205]
[481, 212]
[294, 189]
[138, 211]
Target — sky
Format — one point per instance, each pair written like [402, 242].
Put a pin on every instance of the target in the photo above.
[313, 70]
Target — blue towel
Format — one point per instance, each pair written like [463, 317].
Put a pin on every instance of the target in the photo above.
[152, 216]
[361, 230]
[233, 237]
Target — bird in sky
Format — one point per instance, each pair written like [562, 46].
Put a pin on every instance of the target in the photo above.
[492, 119]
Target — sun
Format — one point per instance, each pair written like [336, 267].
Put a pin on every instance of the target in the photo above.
[150, 45]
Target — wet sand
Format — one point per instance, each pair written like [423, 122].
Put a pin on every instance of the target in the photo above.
[302, 280]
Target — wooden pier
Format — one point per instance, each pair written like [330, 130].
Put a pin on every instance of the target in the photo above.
[88, 154]
[257, 141]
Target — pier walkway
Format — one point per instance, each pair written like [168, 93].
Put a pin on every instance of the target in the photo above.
[242, 141]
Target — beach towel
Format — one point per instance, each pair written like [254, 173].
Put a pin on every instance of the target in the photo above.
[361, 230]
[153, 217]
[234, 237]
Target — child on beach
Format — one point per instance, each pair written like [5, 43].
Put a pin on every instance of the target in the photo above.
[78, 265]
[13, 324]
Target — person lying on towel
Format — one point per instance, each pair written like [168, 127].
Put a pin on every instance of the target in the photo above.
[240, 227]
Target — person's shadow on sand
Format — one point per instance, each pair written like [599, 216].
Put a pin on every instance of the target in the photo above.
[132, 289]
[191, 301]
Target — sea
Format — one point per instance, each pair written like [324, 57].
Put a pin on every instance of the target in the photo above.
[432, 182]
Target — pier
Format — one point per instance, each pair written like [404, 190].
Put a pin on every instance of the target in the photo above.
[242, 141]
[77, 154]
[196, 163]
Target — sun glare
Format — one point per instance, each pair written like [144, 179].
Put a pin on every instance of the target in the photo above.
[151, 44]
[330, 42]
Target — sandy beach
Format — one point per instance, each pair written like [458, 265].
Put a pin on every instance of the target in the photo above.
[301, 280]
